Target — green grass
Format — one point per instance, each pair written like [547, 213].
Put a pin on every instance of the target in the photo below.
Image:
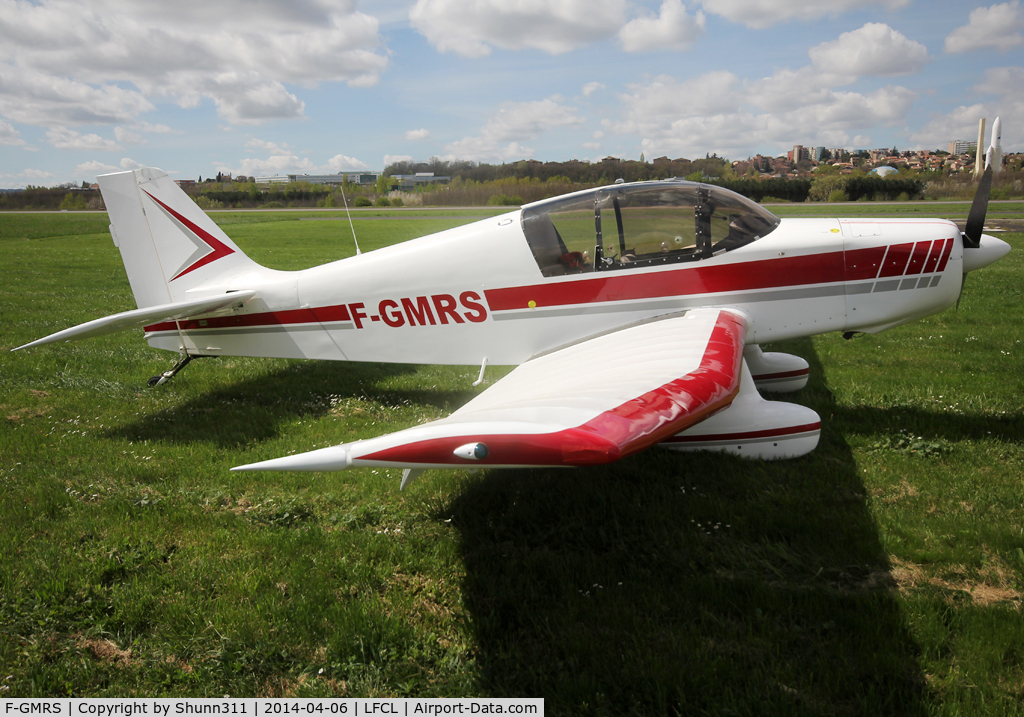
[905, 210]
[881, 574]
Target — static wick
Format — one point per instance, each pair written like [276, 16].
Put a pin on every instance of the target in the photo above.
[480, 378]
[349, 215]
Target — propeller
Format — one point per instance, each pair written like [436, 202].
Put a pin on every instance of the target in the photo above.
[976, 217]
[977, 255]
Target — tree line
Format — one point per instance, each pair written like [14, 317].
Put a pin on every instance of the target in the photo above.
[515, 183]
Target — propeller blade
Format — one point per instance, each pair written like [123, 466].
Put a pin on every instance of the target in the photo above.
[976, 217]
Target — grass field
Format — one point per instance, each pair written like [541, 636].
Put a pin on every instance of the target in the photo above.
[880, 575]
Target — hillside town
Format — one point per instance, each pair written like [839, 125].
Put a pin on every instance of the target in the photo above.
[800, 162]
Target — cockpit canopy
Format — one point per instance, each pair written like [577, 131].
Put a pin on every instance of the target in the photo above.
[637, 225]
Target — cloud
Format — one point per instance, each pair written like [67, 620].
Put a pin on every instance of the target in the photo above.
[340, 163]
[874, 50]
[73, 61]
[10, 136]
[672, 29]
[258, 144]
[592, 87]
[513, 122]
[665, 99]
[764, 13]
[417, 134]
[64, 138]
[245, 98]
[125, 136]
[37, 174]
[1006, 84]
[527, 120]
[29, 96]
[156, 128]
[91, 169]
[961, 123]
[721, 113]
[471, 28]
[482, 149]
[277, 164]
[997, 27]
[390, 159]
[286, 161]
[1003, 81]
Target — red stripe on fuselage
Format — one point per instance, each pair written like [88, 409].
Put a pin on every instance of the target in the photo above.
[862, 264]
[945, 254]
[933, 256]
[917, 259]
[785, 272]
[323, 314]
[896, 260]
[751, 275]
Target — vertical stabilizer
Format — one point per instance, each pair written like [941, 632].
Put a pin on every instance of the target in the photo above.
[168, 244]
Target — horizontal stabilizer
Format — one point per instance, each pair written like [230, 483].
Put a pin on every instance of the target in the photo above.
[142, 317]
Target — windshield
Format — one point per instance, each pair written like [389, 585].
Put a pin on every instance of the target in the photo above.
[636, 225]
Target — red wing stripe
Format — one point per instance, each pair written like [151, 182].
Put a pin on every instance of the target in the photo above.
[219, 248]
[783, 374]
[614, 434]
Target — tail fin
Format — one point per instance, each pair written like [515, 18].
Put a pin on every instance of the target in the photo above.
[168, 244]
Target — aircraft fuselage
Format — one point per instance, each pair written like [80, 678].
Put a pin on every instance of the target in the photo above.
[475, 293]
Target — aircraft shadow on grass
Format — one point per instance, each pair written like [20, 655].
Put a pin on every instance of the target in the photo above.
[914, 422]
[260, 408]
[695, 584]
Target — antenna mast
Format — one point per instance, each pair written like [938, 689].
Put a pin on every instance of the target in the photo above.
[349, 214]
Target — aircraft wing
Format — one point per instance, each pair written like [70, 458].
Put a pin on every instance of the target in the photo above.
[592, 402]
[142, 317]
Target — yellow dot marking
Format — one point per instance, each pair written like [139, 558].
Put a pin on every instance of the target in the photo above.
[532, 304]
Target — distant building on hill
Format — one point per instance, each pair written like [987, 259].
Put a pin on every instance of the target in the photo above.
[962, 146]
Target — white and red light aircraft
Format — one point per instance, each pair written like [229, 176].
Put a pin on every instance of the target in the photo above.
[633, 312]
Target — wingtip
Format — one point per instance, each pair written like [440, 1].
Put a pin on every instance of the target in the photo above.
[30, 344]
[335, 458]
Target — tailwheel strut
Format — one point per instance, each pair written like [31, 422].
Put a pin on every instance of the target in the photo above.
[168, 375]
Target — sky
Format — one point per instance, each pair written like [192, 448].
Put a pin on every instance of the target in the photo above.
[267, 87]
